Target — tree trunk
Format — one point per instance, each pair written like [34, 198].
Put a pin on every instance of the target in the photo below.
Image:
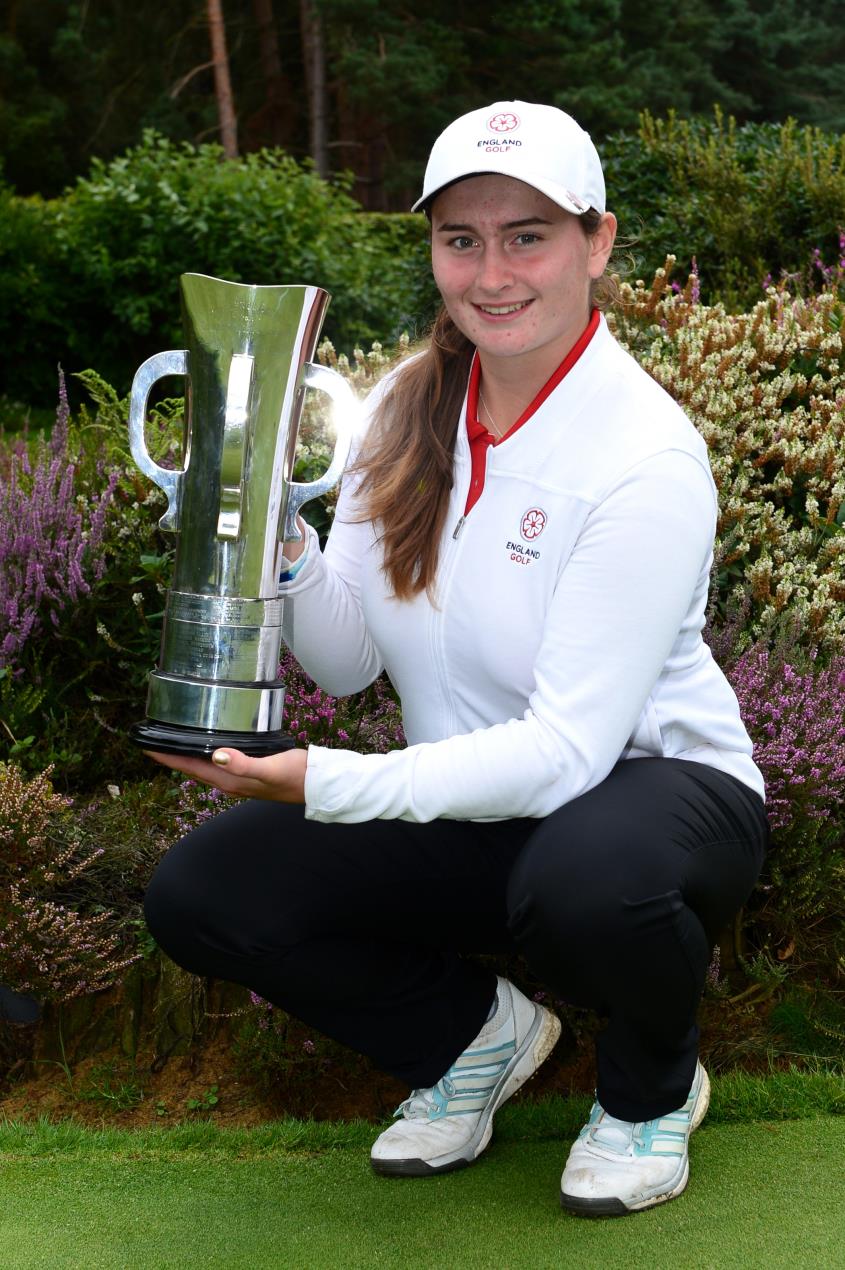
[222, 80]
[314, 59]
[272, 119]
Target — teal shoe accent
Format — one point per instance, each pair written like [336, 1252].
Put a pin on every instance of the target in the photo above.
[466, 1087]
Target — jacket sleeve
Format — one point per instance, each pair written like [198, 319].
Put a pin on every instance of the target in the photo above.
[323, 623]
[624, 595]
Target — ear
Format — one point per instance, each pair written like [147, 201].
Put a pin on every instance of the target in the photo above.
[601, 245]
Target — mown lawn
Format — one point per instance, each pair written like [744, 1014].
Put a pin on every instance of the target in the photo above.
[764, 1193]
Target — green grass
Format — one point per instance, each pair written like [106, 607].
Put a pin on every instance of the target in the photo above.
[737, 1098]
[764, 1193]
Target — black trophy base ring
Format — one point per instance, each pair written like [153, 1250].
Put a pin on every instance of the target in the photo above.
[170, 738]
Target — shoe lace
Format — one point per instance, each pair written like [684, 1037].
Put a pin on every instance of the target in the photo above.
[619, 1136]
[421, 1103]
[624, 1136]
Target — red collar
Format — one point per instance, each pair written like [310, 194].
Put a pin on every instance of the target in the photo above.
[479, 437]
[475, 429]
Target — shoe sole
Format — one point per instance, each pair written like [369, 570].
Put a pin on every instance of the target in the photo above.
[614, 1207]
[538, 1044]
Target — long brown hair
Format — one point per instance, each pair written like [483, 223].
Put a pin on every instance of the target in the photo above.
[405, 468]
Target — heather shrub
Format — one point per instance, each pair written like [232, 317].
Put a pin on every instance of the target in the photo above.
[766, 389]
[51, 536]
[767, 392]
[81, 563]
[796, 718]
[368, 721]
[70, 907]
[279, 1054]
[53, 944]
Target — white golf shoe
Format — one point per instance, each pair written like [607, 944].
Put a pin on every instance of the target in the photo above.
[448, 1126]
[616, 1167]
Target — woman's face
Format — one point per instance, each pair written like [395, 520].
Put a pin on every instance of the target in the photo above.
[514, 269]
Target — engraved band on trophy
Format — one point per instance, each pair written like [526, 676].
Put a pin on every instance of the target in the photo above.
[247, 365]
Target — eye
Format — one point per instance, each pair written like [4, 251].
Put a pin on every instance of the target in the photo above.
[462, 242]
[527, 239]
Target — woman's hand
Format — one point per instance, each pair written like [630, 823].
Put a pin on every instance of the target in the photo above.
[277, 778]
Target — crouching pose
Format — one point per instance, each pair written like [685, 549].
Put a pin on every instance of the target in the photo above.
[523, 543]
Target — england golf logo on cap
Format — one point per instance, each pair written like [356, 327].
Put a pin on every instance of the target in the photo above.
[504, 121]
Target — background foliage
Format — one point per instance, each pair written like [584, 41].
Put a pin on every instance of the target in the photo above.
[83, 78]
[91, 278]
[113, 188]
[747, 203]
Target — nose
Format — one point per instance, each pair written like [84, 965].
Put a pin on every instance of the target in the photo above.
[495, 272]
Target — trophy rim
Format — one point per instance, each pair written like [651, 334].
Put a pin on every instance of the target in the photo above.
[256, 286]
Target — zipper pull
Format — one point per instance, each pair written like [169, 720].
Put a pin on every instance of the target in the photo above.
[459, 526]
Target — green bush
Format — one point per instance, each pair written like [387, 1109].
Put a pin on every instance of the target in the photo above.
[747, 202]
[33, 313]
[93, 278]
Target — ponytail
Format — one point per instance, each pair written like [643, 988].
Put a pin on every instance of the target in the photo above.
[405, 470]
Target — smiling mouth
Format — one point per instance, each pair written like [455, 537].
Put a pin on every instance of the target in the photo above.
[501, 310]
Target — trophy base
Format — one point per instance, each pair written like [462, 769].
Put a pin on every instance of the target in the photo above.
[169, 738]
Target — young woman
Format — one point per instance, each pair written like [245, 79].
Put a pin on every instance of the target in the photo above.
[524, 544]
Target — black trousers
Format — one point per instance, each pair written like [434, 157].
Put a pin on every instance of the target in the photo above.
[365, 931]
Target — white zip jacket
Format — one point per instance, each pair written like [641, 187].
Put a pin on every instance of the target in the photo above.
[566, 633]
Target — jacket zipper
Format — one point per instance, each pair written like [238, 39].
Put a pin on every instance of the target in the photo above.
[448, 562]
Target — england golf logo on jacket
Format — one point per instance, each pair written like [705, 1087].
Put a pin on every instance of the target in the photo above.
[531, 526]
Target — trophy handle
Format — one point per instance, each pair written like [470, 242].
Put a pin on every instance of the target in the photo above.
[172, 362]
[345, 412]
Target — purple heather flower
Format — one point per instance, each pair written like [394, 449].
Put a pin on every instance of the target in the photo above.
[49, 548]
[797, 723]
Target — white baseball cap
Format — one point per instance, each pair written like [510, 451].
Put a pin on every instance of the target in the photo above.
[540, 145]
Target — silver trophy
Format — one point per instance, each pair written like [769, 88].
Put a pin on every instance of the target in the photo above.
[247, 363]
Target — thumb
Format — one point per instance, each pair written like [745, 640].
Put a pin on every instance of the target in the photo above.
[232, 761]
